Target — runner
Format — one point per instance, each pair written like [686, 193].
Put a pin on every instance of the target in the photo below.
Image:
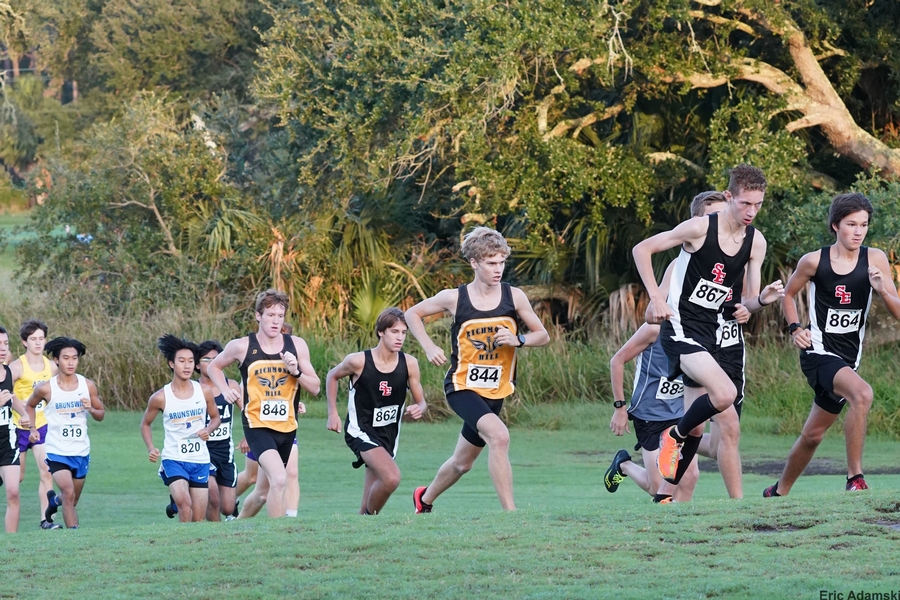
[9, 447]
[842, 277]
[484, 338]
[184, 404]
[379, 379]
[274, 367]
[222, 470]
[67, 398]
[715, 250]
[4, 346]
[28, 371]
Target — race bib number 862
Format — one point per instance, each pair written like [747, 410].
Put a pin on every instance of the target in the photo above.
[385, 415]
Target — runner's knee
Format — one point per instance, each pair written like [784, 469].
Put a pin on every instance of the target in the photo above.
[862, 397]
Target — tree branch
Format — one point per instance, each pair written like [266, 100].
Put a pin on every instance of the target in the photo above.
[563, 126]
[151, 206]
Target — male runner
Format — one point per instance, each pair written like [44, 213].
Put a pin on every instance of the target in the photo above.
[714, 252]
[222, 470]
[184, 404]
[4, 346]
[274, 366]
[28, 371]
[67, 398]
[378, 381]
[484, 338]
[842, 277]
[9, 447]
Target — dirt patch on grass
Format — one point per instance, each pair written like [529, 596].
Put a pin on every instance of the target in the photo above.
[818, 466]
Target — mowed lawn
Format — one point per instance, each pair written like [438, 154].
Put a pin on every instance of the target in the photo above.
[570, 538]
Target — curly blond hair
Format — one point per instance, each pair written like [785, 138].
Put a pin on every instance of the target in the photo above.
[482, 242]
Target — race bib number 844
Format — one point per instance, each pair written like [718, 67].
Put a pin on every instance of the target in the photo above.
[484, 376]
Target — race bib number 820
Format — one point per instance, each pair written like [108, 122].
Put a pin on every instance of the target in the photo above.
[484, 376]
[709, 295]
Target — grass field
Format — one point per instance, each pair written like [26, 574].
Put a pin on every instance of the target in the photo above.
[570, 538]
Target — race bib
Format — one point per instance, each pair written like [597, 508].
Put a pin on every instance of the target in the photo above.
[669, 390]
[73, 432]
[273, 410]
[190, 447]
[222, 432]
[842, 321]
[731, 334]
[484, 376]
[709, 295]
[385, 415]
[5, 415]
[40, 406]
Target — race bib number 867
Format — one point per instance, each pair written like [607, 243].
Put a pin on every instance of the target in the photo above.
[709, 295]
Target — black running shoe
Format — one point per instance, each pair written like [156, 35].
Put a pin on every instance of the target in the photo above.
[171, 508]
[52, 506]
[771, 491]
[614, 475]
[236, 512]
[45, 524]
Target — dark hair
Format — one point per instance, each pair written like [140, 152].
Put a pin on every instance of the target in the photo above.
[169, 345]
[30, 326]
[388, 318]
[846, 204]
[704, 199]
[270, 298]
[208, 346]
[3, 330]
[55, 346]
[746, 178]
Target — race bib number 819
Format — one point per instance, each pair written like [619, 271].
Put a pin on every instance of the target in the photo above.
[709, 295]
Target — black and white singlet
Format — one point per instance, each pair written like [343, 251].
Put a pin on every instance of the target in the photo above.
[375, 407]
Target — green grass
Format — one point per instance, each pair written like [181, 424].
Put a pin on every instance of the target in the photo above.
[570, 537]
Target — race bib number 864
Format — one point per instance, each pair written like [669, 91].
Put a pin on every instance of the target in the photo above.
[842, 321]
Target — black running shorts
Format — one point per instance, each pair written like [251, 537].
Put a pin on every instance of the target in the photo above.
[471, 407]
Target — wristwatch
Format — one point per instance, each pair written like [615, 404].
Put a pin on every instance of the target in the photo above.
[794, 327]
[619, 403]
[521, 338]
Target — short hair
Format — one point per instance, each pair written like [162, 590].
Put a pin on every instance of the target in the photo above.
[30, 326]
[270, 298]
[846, 204]
[388, 318]
[208, 346]
[482, 242]
[3, 330]
[169, 345]
[55, 346]
[704, 199]
[746, 178]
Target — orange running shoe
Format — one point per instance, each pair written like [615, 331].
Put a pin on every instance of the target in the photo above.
[669, 454]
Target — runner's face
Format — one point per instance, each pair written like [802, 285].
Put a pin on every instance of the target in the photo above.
[205, 360]
[183, 365]
[852, 230]
[489, 269]
[4, 347]
[68, 361]
[744, 206]
[271, 320]
[394, 336]
[711, 209]
[34, 343]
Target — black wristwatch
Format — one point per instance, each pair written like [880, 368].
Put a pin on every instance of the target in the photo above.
[521, 338]
[794, 327]
[619, 403]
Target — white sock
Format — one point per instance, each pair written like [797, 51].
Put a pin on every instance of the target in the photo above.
[290, 513]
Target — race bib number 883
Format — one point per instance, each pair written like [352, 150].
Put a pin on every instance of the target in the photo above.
[669, 390]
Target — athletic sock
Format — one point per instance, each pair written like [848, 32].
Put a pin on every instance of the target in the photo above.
[290, 513]
[688, 451]
[701, 411]
[854, 478]
[660, 497]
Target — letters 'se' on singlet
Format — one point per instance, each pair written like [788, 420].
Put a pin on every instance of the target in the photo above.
[476, 362]
[270, 392]
[701, 282]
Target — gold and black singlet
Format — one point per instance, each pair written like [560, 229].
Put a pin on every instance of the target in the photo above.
[270, 392]
[476, 362]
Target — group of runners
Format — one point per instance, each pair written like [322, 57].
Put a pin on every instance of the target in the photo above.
[690, 369]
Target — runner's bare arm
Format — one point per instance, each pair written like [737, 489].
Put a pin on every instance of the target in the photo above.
[640, 341]
[690, 233]
[443, 301]
[212, 411]
[95, 406]
[806, 270]
[235, 352]
[881, 281]
[40, 392]
[309, 381]
[753, 279]
[413, 381]
[155, 405]
[351, 365]
[18, 406]
[537, 335]
[663, 289]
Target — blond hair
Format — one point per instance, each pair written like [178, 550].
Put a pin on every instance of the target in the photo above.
[482, 242]
[704, 199]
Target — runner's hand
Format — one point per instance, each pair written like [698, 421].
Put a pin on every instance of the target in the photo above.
[34, 436]
[203, 434]
[86, 402]
[232, 395]
[803, 338]
[24, 421]
[244, 447]
[741, 314]
[876, 279]
[334, 423]
[414, 411]
[5, 396]
[657, 311]
[154, 455]
[619, 422]
[301, 408]
[505, 337]
[772, 293]
[290, 361]
[436, 356]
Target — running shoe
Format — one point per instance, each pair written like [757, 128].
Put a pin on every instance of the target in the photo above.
[421, 507]
[669, 455]
[52, 505]
[236, 512]
[171, 508]
[614, 475]
[856, 484]
[669, 500]
[45, 524]
[771, 491]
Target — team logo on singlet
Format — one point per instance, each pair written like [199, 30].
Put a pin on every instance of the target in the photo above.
[718, 272]
[841, 292]
[489, 346]
[384, 388]
[272, 383]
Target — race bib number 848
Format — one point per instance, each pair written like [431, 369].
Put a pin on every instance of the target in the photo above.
[273, 410]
